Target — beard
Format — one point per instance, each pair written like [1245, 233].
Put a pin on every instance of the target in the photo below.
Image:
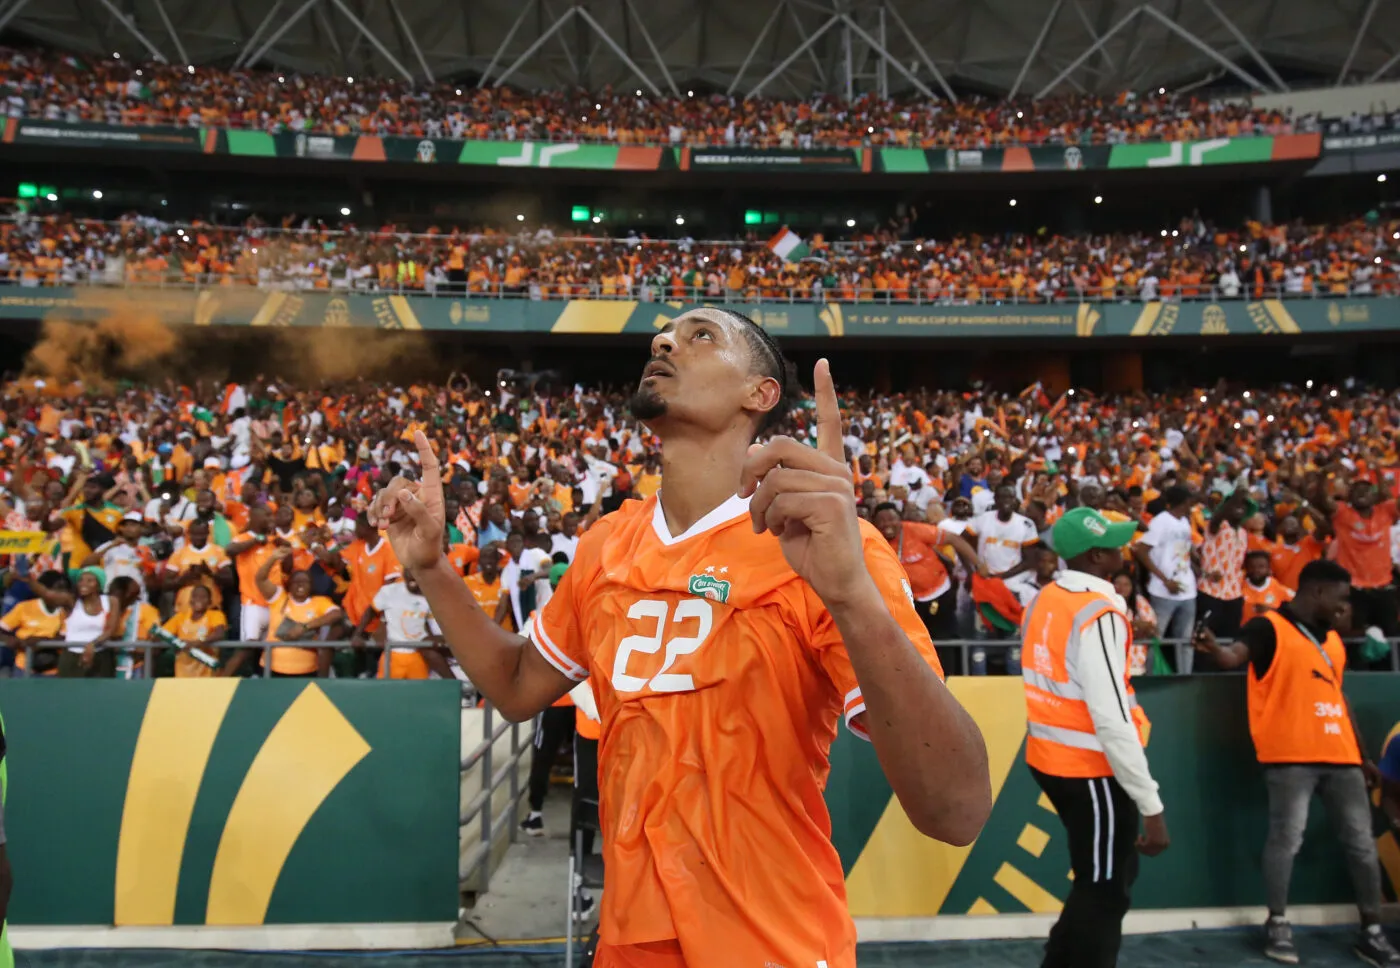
[646, 404]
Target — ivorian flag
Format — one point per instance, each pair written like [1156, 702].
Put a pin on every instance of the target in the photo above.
[788, 245]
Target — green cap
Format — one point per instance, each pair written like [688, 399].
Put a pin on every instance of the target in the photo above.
[1084, 528]
[556, 574]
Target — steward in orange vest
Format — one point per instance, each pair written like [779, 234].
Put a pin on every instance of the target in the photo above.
[1306, 740]
[1085, 736]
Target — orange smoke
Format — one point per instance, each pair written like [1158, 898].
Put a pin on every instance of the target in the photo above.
[127, 343]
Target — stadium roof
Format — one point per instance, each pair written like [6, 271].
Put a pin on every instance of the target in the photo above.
[786, 48]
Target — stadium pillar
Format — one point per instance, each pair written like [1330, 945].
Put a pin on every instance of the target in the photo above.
[1263, 205]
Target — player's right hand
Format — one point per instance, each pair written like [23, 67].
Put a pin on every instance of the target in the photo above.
[1154, 837]
[1173, 586]
[411, 513]
[1204, 641]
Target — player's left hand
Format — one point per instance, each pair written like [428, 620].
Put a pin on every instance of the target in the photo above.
[805, 496]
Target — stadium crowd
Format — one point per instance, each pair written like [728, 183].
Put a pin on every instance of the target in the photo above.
[1195, 259]
[64, 88]
[239, 512]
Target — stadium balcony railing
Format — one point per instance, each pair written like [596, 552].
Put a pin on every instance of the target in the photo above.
[927, 140]
[1388, 288]
[148, 649]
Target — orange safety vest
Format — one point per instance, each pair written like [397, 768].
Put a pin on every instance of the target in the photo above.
[1297, 713]
[1060, 737]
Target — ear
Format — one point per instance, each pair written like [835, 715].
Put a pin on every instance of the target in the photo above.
[764, 394]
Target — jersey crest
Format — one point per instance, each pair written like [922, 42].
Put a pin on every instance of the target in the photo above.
[708, 586]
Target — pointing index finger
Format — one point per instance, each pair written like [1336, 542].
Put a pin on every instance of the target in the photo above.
[427, 460]
[829, 440]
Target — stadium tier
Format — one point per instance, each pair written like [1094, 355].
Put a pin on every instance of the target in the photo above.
[53, 88]
[1195, 261]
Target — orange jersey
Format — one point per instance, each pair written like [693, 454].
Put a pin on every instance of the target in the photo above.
[488, 595]
[1257, 601]
[720, 679]
[368, 569]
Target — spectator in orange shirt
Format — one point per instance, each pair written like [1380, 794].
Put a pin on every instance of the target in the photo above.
[1362, 546]
[1294, 549]
[1262, 591]
[485, 586]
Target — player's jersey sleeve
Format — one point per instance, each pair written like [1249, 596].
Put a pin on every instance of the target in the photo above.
[894, 588]
[558, 627]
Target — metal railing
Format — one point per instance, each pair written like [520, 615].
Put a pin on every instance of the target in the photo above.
[990, 646]
[148, 650]
[967, 296]
[963, 647]
[478, 860]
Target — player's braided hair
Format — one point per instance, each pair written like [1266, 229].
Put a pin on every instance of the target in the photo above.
[769, 360]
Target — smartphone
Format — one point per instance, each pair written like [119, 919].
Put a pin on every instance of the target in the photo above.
[1202, 624]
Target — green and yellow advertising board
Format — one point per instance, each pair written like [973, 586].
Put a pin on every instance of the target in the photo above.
[227, 802]
[243, 306]
[1200, 754]
[865, 160]
[232, 802]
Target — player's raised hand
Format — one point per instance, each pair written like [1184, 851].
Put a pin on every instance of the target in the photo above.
[411, 513]
[805, 497]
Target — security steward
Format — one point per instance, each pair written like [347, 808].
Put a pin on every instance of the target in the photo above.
[1306, 740]
[1085, 736]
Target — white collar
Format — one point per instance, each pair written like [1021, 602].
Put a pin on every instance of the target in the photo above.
[733, 507]
[1082, 581]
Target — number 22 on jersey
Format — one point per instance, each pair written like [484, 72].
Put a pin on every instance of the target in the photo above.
[682, 630]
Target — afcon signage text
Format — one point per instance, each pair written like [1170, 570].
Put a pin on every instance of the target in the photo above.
[233, 306]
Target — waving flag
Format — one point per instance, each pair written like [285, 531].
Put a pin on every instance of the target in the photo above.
[788, 245]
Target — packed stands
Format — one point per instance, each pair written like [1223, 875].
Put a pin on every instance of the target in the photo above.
[63, 88]
[1195, 260]
[526, 471]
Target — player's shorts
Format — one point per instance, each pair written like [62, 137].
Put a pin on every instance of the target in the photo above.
[252, 622]
[408, 664]
[654, 954]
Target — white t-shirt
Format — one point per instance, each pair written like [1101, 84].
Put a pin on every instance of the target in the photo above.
[902, 473]
[1000, 542]
[1169, 538]
[122, 559]
[983, 500]
[406, 614]
[558, 543]
[531, 559]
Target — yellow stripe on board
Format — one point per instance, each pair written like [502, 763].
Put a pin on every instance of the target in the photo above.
[1282, 318]
[177, 733]
[1044, 803]
[903, 874]
[1036, 898]
[981, 906]
[1033, 840]
[403, 309]
[1146, 318]
[267, 312]
[310, 750]
[594, 316]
